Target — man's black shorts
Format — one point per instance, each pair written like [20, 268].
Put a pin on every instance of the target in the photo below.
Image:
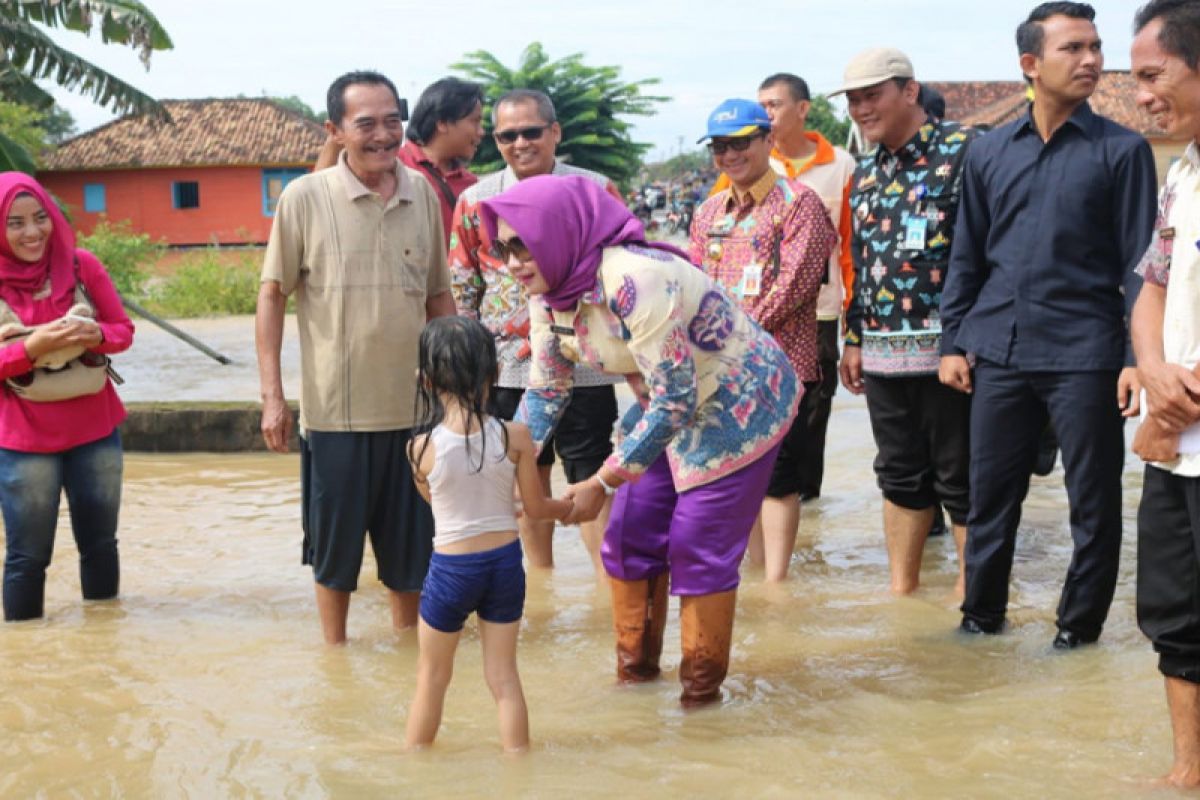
[788, 475]
[922, 430]
[583, 438]
[355, 485]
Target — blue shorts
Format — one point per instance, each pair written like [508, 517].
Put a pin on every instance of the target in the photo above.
[491, 583]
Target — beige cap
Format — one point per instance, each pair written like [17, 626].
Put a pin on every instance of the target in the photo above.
[874, 66]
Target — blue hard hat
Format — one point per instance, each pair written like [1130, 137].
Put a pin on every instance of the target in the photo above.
[737, 117]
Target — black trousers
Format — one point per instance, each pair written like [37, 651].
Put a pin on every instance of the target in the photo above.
[820, 405]
[1008, 413]
[1168, 571]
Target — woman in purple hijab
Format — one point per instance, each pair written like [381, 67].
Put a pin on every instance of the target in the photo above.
[716, 395]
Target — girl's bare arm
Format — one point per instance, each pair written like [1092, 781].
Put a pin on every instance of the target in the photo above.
[529, 483]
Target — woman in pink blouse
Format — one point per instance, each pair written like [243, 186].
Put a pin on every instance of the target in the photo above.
[716, 394]
[57, 305]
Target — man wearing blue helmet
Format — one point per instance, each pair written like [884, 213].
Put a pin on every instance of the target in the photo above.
[767, 239]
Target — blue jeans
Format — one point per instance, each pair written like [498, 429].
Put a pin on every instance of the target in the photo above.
[30, 487]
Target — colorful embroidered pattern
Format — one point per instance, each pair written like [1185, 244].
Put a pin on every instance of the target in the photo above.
[484, 289]
[712, 324]
[719, 392]
[901, 246]
[772, 256]
[1155, 266]
[626, 298]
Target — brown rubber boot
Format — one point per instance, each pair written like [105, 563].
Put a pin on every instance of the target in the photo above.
[639, 616]
[706, 626]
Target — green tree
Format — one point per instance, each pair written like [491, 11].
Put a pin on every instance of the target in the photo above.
[678, 166]
[294, 104]
[589, 102]
[825, 119]
[30, 55]
[22, 126]
[58, 124]
[33, 131]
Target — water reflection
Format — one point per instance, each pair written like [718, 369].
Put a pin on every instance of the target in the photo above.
[208, 677]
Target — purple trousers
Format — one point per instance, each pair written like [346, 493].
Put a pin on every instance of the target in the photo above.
[699, 535]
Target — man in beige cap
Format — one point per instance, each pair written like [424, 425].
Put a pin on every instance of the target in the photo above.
[904, 199]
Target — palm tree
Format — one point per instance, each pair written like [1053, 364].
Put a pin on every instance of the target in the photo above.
[588, 102]
[29, 55]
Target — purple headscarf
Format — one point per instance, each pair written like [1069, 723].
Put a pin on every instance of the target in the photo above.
[566, 221]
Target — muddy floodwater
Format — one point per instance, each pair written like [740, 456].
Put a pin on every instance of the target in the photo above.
[208, 677]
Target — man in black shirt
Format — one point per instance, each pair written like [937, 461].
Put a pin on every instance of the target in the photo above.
[1057, 210]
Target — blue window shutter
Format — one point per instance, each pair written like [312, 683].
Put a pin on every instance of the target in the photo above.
[273, 183]
[94, 201]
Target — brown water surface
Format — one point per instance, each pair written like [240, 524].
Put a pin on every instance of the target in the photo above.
[208, 678]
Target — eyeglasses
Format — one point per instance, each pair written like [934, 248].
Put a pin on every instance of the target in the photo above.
[739, 143]
[505, 249]
[531, 134]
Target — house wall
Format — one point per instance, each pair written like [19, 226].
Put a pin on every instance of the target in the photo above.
[1165, 152]
[230, 211]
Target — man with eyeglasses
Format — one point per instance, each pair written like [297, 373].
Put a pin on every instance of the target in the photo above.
[767, 239]
[904, 200]
[526, 131]
[826, 169]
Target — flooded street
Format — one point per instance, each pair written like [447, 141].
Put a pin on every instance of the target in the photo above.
[208, 678]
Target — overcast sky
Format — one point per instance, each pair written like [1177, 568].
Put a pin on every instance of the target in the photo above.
[703, 52]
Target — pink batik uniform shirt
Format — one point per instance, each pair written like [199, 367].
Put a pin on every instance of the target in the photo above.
[770, 247]
[53, 427]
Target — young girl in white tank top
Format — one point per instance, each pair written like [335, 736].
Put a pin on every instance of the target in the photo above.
[465, 463]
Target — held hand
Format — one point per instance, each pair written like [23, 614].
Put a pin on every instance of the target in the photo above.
[86, 334]
[588, 497]
[1129, 392]
[277, 424]
[12, 329]
[851, 369]
[57, 335]
[1172, 393]
[955, 372]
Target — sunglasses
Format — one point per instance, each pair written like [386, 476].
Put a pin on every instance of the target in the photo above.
[740, 143]
[505, 249]
[531, 134]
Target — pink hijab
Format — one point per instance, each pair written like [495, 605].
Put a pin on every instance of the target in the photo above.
[20, 279]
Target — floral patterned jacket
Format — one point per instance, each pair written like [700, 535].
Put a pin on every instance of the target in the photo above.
[716, 391]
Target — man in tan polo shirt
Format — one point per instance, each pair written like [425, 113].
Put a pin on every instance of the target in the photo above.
[362, 248]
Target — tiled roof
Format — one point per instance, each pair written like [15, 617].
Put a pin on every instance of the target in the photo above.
[967, 97]
[236, 132]
[992, 103]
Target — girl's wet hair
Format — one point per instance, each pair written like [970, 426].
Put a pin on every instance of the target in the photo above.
[457, 358]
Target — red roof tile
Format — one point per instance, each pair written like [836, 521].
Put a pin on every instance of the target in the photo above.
[966, 97]
[992, 103]
[233, 132]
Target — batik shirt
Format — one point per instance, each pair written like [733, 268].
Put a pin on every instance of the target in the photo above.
[1173, 262]
[484, 289]
[904, 205]
[716, 392]
[771, 251]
